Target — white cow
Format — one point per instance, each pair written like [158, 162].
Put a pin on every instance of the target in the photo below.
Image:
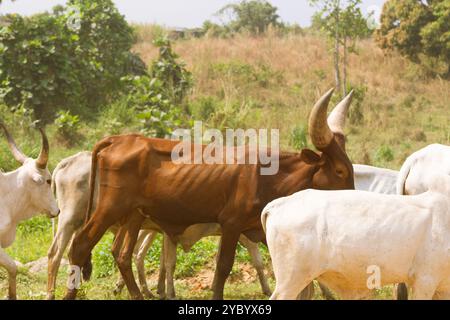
[25, 192]
[413, 179]
[335, 236]
[373, 179]
[367, 178]
[71, 184]
[415, 172]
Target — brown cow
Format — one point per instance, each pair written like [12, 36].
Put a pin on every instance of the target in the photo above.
[139, 180]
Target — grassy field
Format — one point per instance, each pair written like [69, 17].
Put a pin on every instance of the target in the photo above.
[265, 82]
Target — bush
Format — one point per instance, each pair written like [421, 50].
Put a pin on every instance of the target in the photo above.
[72, 58]
[156, 98]
[155, 111]
[67, 125]
[356, 114]
[261, 74]
[173, 74]
[203, 107]
[298, 138]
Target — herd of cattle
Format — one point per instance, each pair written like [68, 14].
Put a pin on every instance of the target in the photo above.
[316, 226]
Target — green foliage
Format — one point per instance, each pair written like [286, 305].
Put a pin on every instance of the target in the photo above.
[344, 23]
[419, 30]
[32, 240]
[348, 21]
[384, 153]
[154, 107]
[72, 58]
[36, 224]
[203, 107]
[188, 263]
[245, 74]
[67, 125]
[356, 114]
[172, 73]
[254, 16]
[202, 253]
[231, 114]
[299, 137]
[158, 96]
[102, 258]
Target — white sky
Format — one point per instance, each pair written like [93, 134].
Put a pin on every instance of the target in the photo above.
[181, 13]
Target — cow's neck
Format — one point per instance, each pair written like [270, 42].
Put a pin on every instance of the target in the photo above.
[293, 175]
[15, 197]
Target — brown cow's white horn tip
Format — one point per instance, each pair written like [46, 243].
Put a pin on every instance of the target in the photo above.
[336, 119]
[319, 131]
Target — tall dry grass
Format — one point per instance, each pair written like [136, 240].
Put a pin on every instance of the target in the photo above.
[402, 110]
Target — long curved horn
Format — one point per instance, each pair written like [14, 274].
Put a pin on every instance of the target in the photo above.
[42, 160]
[17, 154]
[319, 131]
[336, 119]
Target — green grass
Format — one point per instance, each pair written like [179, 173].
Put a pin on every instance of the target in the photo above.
[264, 82]
[34, 238]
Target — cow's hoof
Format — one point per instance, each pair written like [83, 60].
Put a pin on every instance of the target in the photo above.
[11, 298]
[267, 293]
[138, 297]
[117, 291]
[147, 293]
[162, 296]
[50, 296]
[71, 294]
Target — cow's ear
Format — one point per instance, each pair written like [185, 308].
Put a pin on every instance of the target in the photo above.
[310, 157]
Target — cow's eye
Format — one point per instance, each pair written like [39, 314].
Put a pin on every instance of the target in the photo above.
[49, 181]
[340, 173]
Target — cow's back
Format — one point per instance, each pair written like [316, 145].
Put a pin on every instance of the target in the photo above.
[71, 183]
[141, 171]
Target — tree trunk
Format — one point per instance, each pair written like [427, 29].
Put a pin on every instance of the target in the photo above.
[344, 77]
[336, 48]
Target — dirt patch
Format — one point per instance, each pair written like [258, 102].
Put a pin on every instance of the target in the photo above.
[204, 278]
[40, 265]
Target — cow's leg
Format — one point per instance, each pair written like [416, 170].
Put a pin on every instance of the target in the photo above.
[423, 288]
[115, 249]
[140, 256]
[328, 295]
[8, 263]
[289, 291]
[307, 293]
[119, 285]
[83, 243]
[128, 233]
[170, 261]
[162, 271]
[257, 262]
[401, 291]
[149, 237]
[227, 252]
[55, 254]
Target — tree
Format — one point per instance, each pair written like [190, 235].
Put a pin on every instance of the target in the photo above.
[254, 16]
[419, 30]
[343, 24]
[354, 26]
[72, 58]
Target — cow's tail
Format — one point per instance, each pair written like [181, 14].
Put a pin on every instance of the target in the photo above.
[403, 175]
[87, 267]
